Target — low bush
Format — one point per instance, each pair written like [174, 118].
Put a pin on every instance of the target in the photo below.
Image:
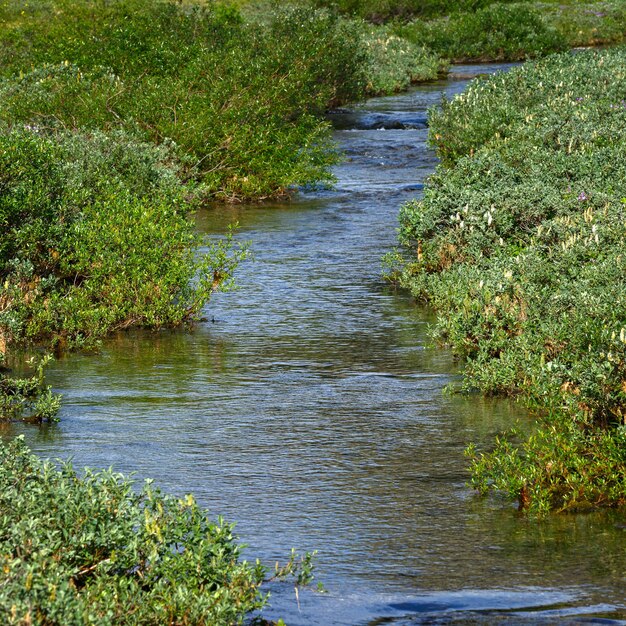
[27, 398]
[97, 237]
[518, 244]
[393, 63]
[498, 32]
[385, 10]
[586, 23]
[560, 467]
[241, 102]
[90, 550]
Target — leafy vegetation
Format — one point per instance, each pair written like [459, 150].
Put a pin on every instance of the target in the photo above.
[506, 30]
[96, 238]
[240, 100]
[393, 63]
[240, 103]
[587, 23]
[518, 244]
[90, 550]
[384, 10]
[494, 33]
[27, 398]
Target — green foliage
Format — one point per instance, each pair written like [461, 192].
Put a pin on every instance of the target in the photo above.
[554, 94]
[384, 10]
[393, 63]
[498, 32]
[88, 549]
[519, 243]
[27, 398]
[587, 23]
[97, 238]
[241, 102]
[563, 466]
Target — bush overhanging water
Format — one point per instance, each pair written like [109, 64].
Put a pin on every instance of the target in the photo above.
[117, 118]
[519, 245]
[88, 549]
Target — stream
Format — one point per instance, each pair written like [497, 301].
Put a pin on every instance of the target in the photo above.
[310, 409]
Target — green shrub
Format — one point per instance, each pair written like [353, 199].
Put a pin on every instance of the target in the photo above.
[587, 23]
[552, 92]
[495, 33]
[27, 398]
[97, 238]
[393, 63]
[518, 245]
[384, 10]
[88, 549]
[560, 467]
[241, 102]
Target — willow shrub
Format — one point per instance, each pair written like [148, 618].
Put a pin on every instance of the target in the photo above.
[97, 237]
[90, 550]
[27, 398]
[240, 102]
[394, 63]
[384, 10]
[587, 23]
[518, 243]
[498, 32]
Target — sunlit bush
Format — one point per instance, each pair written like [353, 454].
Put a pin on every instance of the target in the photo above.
[241, 102]
[519, 245]
[96, 237]
[498, 32]
[89, 550]
[393, 63]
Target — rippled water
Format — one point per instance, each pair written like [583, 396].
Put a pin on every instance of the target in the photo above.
[310, 409]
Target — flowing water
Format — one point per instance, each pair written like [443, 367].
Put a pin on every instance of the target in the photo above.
[310, 409]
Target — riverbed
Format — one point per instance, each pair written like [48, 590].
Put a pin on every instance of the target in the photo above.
[310, 408]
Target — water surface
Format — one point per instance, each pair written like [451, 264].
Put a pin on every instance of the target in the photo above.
[309, 407]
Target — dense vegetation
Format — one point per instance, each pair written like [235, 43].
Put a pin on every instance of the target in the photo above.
[384, 10]
[497, 32]
[117, 118]
[518, 243]
[97, 238]
[89, 550]
[27, 398]
[240, 104]
[486, 30]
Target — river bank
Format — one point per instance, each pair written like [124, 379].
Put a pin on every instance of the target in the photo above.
[109, 145]
[312, 412]
[213, 106]
[518, 245]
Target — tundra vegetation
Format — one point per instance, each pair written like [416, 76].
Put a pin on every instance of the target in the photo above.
[91, 549]
[518, 243]
[119, 117]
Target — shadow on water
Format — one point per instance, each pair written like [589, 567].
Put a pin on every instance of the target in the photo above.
[311, 410]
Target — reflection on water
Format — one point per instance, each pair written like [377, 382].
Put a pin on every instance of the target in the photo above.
[311, 410]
